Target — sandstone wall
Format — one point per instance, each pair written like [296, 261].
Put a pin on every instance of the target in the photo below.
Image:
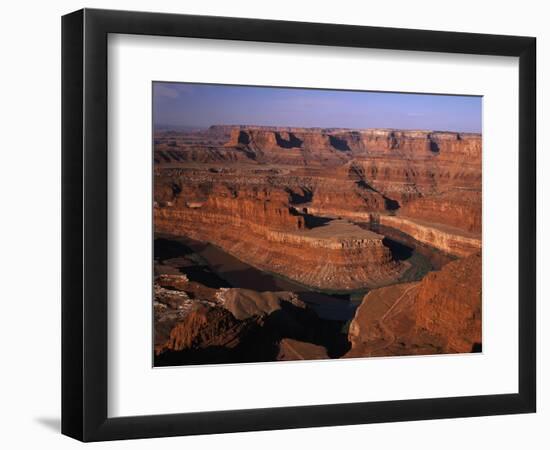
[448, 304]
[460, 209]
[450, 241]
[440, 314]
[254, 193]
[357, 170]
[341, 262]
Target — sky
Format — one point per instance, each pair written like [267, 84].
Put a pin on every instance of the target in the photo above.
[181, 105]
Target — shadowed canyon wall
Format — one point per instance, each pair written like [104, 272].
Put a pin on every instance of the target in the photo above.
[258, 227]
[265, 172]
[314, 206]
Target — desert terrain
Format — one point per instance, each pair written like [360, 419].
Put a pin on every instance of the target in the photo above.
[276, 243]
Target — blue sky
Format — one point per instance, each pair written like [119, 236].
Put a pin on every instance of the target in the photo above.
[202, 105]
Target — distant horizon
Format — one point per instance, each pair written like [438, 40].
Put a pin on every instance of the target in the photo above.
[179, 106]
[253, 125]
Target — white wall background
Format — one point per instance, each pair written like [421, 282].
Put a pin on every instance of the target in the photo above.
[30, 226]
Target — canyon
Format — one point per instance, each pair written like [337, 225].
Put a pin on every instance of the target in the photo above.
[424, 317]
[334, 225]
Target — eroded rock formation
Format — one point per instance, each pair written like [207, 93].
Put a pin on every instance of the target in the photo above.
[260, 228]
[307, 205]
[440, 314]
[246, 303]
[292, 350]
[267, 174]
[453, 241]
[195, 324]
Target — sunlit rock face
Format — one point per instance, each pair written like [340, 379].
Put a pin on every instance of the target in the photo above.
[197, 325]
[265, 232]
[452, 241]
[440, 314]
[309, 206]
[267, 179]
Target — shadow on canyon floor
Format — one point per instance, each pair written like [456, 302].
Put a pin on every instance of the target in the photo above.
[324, 323]
[262, 343]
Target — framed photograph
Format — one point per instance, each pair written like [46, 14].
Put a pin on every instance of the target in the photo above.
[273, 224]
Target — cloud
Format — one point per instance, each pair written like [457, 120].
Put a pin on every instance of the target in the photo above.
[164, 91]
[183, 88]
[173, 90]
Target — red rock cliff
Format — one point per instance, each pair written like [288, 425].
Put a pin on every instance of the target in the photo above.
[440, 314]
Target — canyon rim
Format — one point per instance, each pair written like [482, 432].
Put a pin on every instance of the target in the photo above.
[307, 224]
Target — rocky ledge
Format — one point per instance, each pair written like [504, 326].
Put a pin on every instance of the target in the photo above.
[268, 235]
[440, 314]
[450, 240]
[198, 325]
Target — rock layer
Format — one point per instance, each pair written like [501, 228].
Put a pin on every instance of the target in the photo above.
[292, 350]
[260, 229]
[295, 202]
[262, 173]
[246, 303]
[450, 240]
[196, 325]
[440, 314]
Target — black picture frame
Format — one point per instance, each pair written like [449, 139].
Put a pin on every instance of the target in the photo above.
[84, 224]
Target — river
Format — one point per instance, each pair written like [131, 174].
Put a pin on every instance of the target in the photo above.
[213, 267]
